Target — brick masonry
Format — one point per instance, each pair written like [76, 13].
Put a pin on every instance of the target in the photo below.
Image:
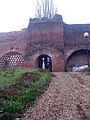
[63, 43]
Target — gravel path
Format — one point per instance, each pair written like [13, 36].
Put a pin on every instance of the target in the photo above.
[67, 98]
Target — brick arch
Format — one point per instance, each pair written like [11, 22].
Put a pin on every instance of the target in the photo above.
[56, 56]
[77, 58]
[44, 61]
[11, 59]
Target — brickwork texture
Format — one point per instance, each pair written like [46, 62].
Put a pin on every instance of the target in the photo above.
[64, 45]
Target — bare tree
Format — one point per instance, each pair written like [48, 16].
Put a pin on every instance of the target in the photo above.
[45, 8]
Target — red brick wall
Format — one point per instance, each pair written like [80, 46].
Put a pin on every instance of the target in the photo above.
[46, 38]
[56, 58]
[51, 37]
[16, 40]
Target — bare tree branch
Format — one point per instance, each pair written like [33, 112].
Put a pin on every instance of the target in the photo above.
[45, 8]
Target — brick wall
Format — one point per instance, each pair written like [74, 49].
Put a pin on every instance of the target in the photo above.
[50, 37]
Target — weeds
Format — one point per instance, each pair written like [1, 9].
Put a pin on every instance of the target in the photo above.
[22, 92]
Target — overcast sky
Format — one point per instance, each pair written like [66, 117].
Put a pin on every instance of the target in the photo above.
[15, 14]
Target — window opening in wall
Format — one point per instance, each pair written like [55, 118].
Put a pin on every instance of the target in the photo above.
[11, 59]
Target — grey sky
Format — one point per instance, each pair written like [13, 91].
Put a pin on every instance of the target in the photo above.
[15, 14]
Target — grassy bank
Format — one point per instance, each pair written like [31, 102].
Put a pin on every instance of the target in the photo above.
[19, 89]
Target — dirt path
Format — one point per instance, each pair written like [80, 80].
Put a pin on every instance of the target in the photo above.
[67, 98]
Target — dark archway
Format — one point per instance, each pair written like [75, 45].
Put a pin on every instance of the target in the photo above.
[44, 62]
[77, 58]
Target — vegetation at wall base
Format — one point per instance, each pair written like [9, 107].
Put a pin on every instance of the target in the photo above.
[20, 91]
[86, 70]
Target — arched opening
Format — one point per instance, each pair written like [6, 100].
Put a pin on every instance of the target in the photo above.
[11, 59]
[44, 62]
[76, 59]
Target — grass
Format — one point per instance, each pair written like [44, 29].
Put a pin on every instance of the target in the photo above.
[10, 76]
[86, 70]
[20, 88]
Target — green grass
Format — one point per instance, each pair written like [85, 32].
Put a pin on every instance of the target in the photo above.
[86, 70]
[10, 76]
[20, 89]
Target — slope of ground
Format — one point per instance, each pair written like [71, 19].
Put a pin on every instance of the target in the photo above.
[19, 88]
[67, 98]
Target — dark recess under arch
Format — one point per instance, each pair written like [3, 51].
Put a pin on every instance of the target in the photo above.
[77, 58]
[44, 61]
